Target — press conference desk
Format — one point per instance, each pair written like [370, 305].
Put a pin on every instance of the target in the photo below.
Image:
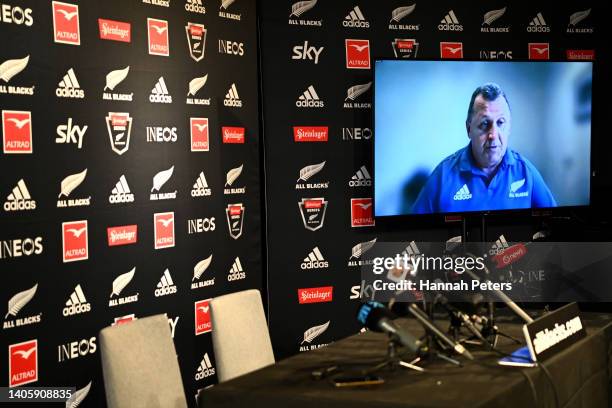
[582, 374]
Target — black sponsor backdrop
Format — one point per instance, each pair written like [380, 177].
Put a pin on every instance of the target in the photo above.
[50, 163]
[285, 79]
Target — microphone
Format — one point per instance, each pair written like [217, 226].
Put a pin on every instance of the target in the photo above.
[376, 317]
[502, 296]
[464, 318]
[422, 317]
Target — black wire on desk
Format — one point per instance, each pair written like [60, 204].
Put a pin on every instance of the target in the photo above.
[552, 383]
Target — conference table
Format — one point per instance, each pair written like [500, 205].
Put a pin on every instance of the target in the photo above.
[582, 376]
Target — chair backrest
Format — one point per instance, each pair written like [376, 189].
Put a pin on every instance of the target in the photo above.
[240, 334]
[140, 366]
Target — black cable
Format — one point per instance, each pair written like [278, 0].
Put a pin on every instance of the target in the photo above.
[552, 383]
[534, 392]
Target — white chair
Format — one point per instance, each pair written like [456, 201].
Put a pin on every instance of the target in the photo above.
[240, 334]
[140, 365]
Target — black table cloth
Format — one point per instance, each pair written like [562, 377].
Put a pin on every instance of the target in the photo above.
[581, 376]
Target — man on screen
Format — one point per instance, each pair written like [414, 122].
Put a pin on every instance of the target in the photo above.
[484, 175]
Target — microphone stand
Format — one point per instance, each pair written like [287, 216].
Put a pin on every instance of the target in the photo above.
[393, 361]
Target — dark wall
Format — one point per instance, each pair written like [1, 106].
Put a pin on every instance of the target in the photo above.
[37, 284]
[287, 75]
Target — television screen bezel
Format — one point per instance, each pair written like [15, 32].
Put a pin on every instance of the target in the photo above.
[489, 212]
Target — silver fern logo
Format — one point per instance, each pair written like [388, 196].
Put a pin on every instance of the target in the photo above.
[577, 18]
[78, 396]
[358, 250]
[198, 270]
[401, 12]
[489, 18]
[354, 92]
[300, 8]
[113, 79]
[119, 284]
[225, 4]
[230, 178]
[311, 334]
[194, 87]
[306, 173]
[158, 182]
[9, 69]
[398, 15]
[67, 186]
[493, 15]
[15, 304]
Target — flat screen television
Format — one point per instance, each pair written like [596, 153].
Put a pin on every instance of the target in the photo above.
[481, 136]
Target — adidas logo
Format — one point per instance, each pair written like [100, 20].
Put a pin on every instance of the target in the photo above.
[236, 272]
[355, 19]
[121, 193]
[462, 194]
[69, 87]
[538, 25]
[231, 98]
[76, 303]
[309, 99]
[517, 185]
[200, 187]
[165, 286]
[450, 23]
[195, 6]
[205, 368]
[499, 246]
[314, 260]
[19, 199]
[361, 179]
[160, 94]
